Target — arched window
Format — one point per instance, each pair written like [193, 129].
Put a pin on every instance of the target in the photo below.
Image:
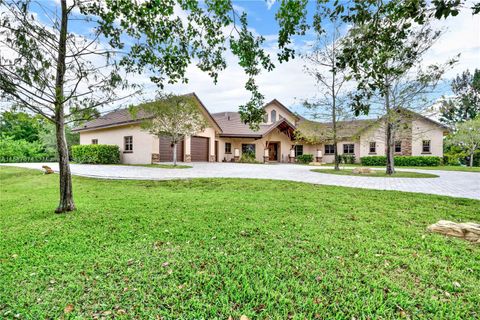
[273, 116]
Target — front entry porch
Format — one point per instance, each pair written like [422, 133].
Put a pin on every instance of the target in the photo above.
[273, 151]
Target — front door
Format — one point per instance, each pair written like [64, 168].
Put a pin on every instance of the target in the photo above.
[273, 151]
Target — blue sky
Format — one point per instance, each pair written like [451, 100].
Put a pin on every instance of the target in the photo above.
[288, 82]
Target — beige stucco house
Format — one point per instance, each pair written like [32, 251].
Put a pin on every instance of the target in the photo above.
[226, 138]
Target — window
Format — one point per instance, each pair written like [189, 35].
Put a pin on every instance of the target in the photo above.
[228, 147]
[94, 141]
[128, 144]
[373, 147]
[329, 149]
[426, 146]
[348, 148]
[298, 150]
[248, 148]
[273, 116]
[398, 146]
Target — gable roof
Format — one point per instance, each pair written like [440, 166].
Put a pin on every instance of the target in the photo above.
[282, 106]
[233, 126]
[123, 117]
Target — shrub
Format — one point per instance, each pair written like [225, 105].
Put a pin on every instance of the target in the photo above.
[23, 151]
[96, 153]
[248, 157]
[452, 159]
[403, 161]
[305, 158]
[373, 161]
[418, 161]
[346, 158]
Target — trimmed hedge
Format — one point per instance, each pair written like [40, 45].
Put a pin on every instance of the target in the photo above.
[96, 153]
[403, 161]
[346, 158]
[305, 158]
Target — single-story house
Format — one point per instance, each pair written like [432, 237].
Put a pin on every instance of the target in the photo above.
[277, 140]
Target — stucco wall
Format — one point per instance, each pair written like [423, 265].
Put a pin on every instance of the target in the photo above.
[425, 130]
[144, 144]
[421, 129]
[280, 112]
[376, 133]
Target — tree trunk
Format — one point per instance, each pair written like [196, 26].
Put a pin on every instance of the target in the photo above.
[390, 148]
[334, 107]
[175, 153]
[66, 194]
[471, 159]
[390, 169]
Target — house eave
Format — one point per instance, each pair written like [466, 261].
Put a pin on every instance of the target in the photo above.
[107, 126]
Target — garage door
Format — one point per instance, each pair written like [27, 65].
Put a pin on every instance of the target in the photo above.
[199, 148]
[166, 150]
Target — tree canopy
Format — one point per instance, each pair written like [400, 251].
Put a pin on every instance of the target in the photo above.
[465, 105]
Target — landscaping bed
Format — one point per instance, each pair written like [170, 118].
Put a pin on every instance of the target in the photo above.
[376, 173]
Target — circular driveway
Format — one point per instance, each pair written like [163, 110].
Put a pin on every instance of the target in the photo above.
[449, 183]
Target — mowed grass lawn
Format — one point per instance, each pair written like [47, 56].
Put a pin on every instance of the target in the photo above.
[215, 248]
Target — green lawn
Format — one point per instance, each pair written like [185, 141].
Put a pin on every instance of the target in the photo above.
[376, 173]
[445, 168]
[214, 248]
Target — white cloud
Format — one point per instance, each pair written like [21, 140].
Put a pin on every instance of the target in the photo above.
[288, 80]
[270, 3]
[462, 36]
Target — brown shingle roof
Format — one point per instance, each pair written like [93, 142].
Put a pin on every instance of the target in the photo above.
[123, 117]
[322, 131]
[232, 125]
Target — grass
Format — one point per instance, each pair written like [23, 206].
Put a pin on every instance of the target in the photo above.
[376, 173]
[214, 248]
[444, 168]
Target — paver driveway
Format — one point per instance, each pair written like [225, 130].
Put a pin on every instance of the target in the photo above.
[449, 183]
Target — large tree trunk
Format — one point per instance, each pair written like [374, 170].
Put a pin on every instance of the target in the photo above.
[471, 159]
[390, 169]
[390, 148]
[66, 194]
[175, 153]
[334, 106]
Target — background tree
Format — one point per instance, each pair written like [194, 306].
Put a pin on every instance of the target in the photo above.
[172, 116]
[465, 105]
[467, 137]
[20, 125]
[55, 73]
[331, 103]
[383, 59]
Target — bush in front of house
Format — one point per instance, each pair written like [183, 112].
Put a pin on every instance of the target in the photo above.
[372, 161]
[248, 157]
[452, 159]
[418, 161]
[96, 153]
[305, 158]
[403, 161]
[346, 158]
